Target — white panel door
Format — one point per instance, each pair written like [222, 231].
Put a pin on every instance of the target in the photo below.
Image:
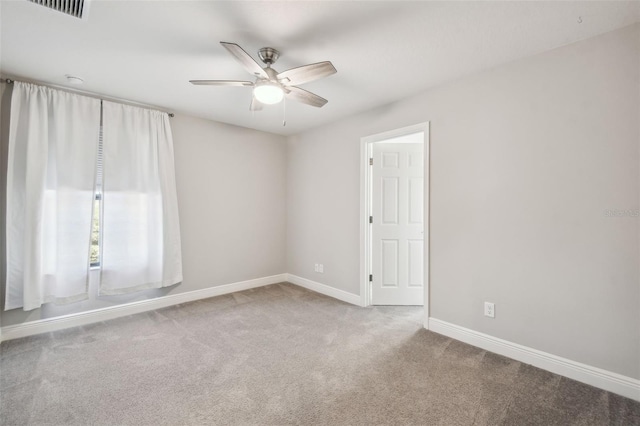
[397, 230]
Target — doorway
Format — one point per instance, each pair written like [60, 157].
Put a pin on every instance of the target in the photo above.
[394, 217]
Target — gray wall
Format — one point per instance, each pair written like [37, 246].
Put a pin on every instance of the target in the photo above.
[525, 159]
[231, 195]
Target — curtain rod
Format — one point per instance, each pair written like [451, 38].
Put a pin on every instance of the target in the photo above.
[106, 98]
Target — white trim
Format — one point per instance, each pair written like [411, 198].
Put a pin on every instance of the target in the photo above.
[73, 320]
[603, 379]
[365, 190]
[396, 133]
[365, 195]
[354, 299]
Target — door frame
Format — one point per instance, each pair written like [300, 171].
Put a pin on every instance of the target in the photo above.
[366, 152]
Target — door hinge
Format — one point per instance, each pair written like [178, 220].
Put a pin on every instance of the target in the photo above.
[370, 219]
[370, 277]
[371, 161]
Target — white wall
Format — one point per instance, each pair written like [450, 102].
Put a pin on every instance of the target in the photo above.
[525, 159]
[231, 195]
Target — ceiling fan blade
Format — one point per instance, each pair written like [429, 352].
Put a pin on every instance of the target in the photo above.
[255, 105]
[306, 73]
[220, 83]
[243, 57]
[301, 95]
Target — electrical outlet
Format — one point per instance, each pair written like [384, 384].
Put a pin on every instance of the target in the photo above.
[321, 268]
[317, 267]
[489, 310]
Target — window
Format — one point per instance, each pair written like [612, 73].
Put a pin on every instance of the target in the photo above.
[94, 258]
[95, 233]
[134, 238]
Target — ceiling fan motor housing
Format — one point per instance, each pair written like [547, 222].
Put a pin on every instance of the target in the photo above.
[268, 55]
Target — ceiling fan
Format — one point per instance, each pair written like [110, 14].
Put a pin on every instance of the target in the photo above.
[271, 86]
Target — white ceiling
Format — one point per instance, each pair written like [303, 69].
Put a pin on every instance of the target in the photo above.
[146, 51]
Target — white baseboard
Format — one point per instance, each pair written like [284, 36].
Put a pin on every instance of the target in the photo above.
[603, 379]
[82, 318]
[354, 299]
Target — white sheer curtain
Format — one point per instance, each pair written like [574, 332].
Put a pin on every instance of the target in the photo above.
[53, 140]
[140, 231]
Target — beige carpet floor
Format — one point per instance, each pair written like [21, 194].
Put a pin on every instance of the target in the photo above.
[281, 355]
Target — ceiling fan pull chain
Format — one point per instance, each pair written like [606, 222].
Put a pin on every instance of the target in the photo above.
[284, 112]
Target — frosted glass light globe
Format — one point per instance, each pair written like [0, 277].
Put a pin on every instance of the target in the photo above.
[268, 93]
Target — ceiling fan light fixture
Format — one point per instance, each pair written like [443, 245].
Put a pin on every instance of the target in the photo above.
[270, 86]
[268, 92]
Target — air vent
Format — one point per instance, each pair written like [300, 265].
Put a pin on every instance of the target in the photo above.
[75, 8]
